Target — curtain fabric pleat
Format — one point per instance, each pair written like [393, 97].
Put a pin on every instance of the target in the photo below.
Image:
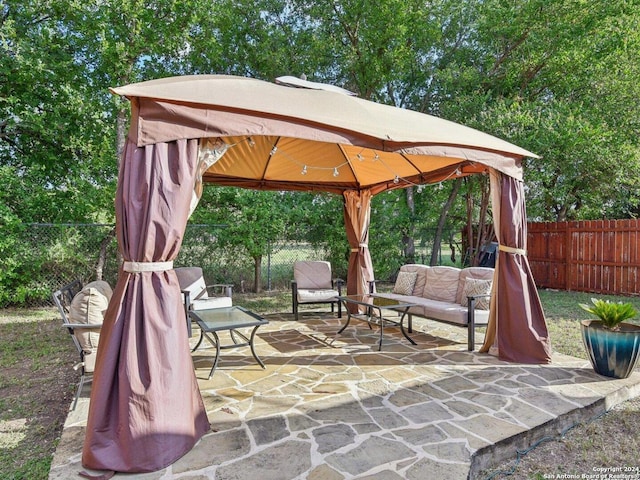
[146, 410]
[357, 216]
[517, 329]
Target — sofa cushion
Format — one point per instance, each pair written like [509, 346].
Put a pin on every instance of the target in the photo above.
[405, 283]
[438, 310]
[421, 277]
[472, 287]
[481, 273]
[89, 306]
[442, 284]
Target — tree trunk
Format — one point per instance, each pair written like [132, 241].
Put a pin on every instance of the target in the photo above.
[469, 253]
[102, 258]
[121, 133]
[257, 264]
[407, 238]
[437, 239]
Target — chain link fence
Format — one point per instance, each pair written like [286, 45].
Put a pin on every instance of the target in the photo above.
[56, 254]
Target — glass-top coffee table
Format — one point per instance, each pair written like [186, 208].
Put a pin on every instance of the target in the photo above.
[227, 318]
[374, 308]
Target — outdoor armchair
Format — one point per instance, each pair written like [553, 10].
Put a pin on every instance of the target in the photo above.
[82, 311]
[312, 283]
[197, 295]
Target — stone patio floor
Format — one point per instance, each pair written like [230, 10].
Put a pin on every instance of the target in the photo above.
[332, 407]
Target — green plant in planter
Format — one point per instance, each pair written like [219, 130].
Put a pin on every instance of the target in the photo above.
[610, 313]
[613, 346]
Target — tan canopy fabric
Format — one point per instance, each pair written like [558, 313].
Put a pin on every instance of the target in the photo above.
[276, 131]
[357, 215]
[146, 409]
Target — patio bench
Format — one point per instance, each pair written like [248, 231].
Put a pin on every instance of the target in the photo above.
[447, 294]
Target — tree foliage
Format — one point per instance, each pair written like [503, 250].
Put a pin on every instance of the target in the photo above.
[558, 78]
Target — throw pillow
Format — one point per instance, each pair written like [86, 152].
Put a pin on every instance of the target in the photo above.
[89, 306]
[404, 283]
[473, 286]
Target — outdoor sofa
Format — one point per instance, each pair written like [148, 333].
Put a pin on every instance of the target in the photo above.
[446, 294]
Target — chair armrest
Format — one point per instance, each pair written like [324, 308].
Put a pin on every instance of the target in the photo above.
[226, 288]
[373, 283]
[482, 295]
[471, 300]
[84, 326]
[186, 296]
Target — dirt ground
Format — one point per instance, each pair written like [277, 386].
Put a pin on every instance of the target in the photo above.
[587, 450]
[37, 384]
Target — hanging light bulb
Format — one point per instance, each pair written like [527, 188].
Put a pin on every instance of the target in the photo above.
[335, 172]
[376, 156]
[420, 188]
[360, 157]
[251, 142]
[396, 180]
[273, 150]
[458, 172]
[304, 170]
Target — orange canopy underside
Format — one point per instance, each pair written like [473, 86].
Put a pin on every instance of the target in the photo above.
[277, 163]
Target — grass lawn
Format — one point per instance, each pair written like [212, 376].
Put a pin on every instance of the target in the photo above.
[37, 384]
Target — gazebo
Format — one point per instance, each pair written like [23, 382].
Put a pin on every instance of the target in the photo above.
[146, 410]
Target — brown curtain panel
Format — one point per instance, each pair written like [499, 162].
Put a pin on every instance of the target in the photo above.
[518, 320]
[146, 410]
[357, 216]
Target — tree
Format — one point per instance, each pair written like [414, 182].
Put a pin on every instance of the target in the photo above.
[253, 221]
[558, 79]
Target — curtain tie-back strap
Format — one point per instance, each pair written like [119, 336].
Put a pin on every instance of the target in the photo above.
[360, 245]
[137, 267]
[505, 248]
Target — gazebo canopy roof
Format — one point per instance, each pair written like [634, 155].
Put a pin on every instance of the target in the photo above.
[314, 138]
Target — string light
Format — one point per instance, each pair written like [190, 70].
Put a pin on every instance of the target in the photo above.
[361, 158]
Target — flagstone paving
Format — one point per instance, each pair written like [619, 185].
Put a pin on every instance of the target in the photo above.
[333, 407]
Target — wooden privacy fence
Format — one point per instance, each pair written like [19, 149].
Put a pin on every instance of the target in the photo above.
[600, 256]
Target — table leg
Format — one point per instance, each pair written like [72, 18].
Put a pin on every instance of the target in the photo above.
[381, 328]
[216, 343]
[199, 341]
[253, 350]
[402, 326]
[346, 307]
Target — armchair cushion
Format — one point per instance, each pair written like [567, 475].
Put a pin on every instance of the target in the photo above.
[316, 296]
[211, 302]
[88, 307]
[312, 275]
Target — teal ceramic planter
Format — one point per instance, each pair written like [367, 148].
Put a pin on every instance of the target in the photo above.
[612, 354]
